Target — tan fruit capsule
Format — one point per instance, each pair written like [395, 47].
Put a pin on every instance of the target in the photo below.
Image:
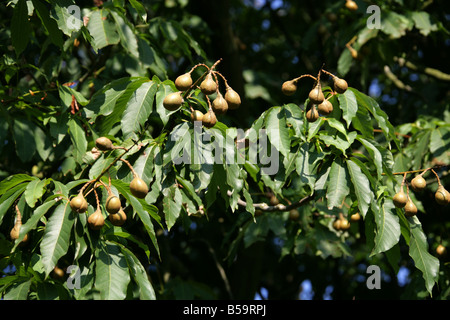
[79, 203]
[316, 95]
[289, 87]
[232, 98]
[337, 224]
[345, 224]
[340, 85]
[209, 119]
[118, 219]
[355, 217]
[96, 220]
[410, 208]
[325, 107]
[351, 5]
[113, 204]
[173, 101]
[220, 105]
[15, 231]
[104, 144]
[312, 114]
[442, 196]
[294, 215]
[183, 82]
[138, 188]
[418, 183]
[441, 250]
[208, 85]
[400, 199]
[196, 116]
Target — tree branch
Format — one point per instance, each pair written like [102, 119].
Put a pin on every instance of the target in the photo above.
[279, 207]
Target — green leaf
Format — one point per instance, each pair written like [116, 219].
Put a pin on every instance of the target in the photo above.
[422, 21]
[375, 155]
[338, 185]
[67, 20]
[423, 260]
[24, 139]
[104, 100]
[127, 37]
[138, 109]
[55, 241]
[440, 144]
[348, 105]
[78, 137]
[34, 191]
[277, 130]
[388, 226]
[172, 206]
[394, 24]
[361, 187]
[18, 291]
[111, 271]
[13, 181]
[103, 29]
[32, 221]
[48, 23]
[8, 198]
[20, 27]
[380, 116]
[139, 275]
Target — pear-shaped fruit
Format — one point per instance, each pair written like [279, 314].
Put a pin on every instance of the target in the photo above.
[441, 250]
[337, 224]
[118, 219]
[355, 217]
[138, 188]
[208, 85]
[113, 204]
[96, 220]
[400, 199]
[316, 95]
[289, 87]
[418, 183]
[220, 105]
[312, 114]
[196, 115]
[325, 107]
[79, 203]
[294, 215]
[173, 101]
[209, 119]
[442, 196]
[340, 85]
[345, 224]
[104, 144]
[410, 208]
[183, 82]
[351, 5]
[232, 98]
[15, 231]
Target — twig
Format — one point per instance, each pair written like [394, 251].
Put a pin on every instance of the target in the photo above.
[279, 207]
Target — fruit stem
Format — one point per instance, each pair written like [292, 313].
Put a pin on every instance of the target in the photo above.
[303, 76]
[437, 177]
[129, 166]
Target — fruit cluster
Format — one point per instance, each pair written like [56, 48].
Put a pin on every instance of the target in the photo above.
[317, 101]
[209, 86]
[418, 183]
[113, 205]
